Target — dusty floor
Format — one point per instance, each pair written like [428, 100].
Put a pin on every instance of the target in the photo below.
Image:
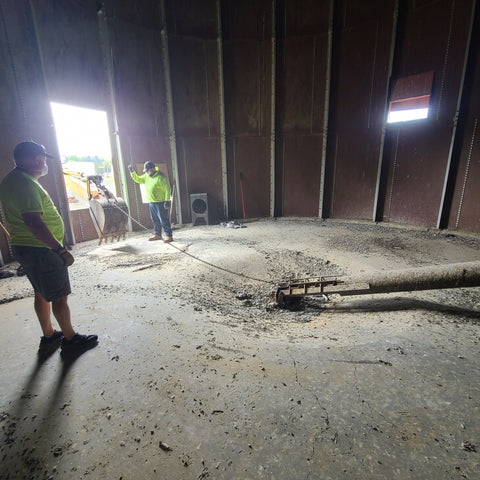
[198, 374]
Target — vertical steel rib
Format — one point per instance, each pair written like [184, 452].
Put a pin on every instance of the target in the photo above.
[170, 114]
[326, 107]
[385, 115]
[221, 94]
[272, 112]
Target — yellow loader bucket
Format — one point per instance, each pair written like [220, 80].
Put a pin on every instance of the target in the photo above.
[109, 213]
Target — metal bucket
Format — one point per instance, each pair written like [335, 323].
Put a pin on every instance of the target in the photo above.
[110, 217]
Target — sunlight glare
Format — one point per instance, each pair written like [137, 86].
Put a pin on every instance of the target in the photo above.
[81, 131]
[407, 115]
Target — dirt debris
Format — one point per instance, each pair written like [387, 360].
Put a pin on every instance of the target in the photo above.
[199, 374]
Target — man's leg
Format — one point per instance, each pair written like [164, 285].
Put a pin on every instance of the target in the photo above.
[42, 309]
[61, 311]
[165, 220]
[156, 220]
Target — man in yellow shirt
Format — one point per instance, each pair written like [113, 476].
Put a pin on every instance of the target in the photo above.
[37, 230]
[158, 191]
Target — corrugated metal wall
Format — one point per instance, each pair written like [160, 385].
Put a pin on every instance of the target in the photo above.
[464, 213]
[271, 107]
[304, 45]
[195, 77]
[247, 52]
[362, 47]
[432, 36]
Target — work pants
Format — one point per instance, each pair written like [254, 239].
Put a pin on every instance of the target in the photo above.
[160, 218]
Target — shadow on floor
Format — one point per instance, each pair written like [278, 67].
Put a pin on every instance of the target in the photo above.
[397, 304]
[26, 433]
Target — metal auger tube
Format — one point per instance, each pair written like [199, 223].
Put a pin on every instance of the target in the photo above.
[456, 275]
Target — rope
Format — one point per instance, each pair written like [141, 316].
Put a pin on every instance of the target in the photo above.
[221, 268]
[200, 260]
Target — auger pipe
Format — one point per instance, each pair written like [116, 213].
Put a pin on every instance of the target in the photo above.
[456, 275]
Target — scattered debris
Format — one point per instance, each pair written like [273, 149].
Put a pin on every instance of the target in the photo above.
[232, 224]
[165, 447]
[7, 273]
[469, 446]
[167, 371]
[57, 452]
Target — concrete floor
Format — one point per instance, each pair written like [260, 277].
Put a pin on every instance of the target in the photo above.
[198, 375]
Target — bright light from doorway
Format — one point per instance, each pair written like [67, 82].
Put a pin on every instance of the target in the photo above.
[81, 131]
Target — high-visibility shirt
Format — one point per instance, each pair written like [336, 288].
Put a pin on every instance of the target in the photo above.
[157, 186]
[22, 193]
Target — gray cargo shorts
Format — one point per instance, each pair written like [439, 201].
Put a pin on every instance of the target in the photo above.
[46, 271]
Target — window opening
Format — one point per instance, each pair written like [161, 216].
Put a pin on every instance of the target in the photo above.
[84, 146]
[410, 98]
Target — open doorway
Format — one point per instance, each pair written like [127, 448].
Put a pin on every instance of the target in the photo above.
[84, 146]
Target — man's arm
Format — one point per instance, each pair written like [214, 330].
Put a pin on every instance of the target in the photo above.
[168, 189]
[34, 222]
[135, 177]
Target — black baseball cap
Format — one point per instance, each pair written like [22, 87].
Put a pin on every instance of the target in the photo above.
[29, 149]
[148, 166]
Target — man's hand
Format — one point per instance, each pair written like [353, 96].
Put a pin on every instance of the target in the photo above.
[66, 256]
[130, 168]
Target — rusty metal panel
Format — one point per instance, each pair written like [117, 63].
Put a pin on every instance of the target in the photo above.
[354, 178]
[143, 13]
[434, 37]
[200, 172]
[250, 174]
[415, 181]
[301, 178]
[242, 19]
[23, 66]
[465, 214]
[82, 224]
[465, 211]
[248, 66]
[356, 12]
[359, 86]
[139, 80]
[194, 73]
[193, 53]
[247, 87]
[302, 91]
[306, 17]
[72, 60]
[301, 112]
[192, 18]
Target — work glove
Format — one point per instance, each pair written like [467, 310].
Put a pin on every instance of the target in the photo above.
[130, 168]
[66, 256]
